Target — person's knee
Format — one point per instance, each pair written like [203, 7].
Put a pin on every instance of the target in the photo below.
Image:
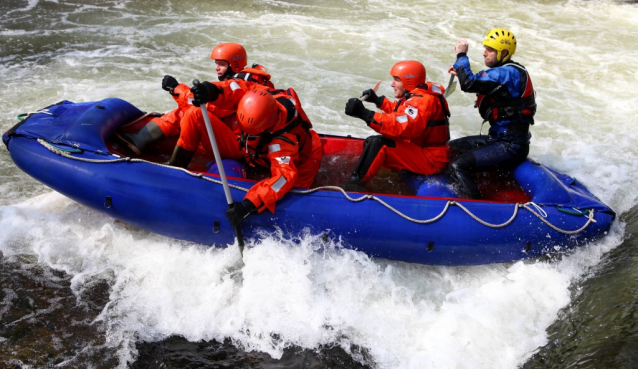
[375, 143]
[462, 163]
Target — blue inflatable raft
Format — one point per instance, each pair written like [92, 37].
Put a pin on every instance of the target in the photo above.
[530, 212]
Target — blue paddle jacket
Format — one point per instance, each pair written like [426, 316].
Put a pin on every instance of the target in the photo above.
[505, 98]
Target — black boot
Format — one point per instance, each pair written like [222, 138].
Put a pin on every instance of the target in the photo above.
[181, 157]
[137, 141]
[459, 168]
[355, 184]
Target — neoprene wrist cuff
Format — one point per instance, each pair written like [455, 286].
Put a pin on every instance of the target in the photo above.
[367, 116]
[248, 205]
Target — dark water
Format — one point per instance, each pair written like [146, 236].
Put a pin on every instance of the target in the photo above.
[599, 329]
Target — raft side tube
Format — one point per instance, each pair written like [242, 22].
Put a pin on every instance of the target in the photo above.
[547, 187]
[98, 123]
[84, 126]
[232, 168]
[435, 185]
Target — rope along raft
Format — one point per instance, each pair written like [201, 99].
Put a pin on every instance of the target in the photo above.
[530, 206]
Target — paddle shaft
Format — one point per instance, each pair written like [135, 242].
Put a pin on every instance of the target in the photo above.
[220, 167]
[376, 87]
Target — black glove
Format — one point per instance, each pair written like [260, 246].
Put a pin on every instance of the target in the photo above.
[238, 211]
[372, 96]
[355, 108]
[204, 92]
[169, 83]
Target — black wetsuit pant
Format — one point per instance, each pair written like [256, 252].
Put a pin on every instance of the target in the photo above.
[371, 147]
[477, 154]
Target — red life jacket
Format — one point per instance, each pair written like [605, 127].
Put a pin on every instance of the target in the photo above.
[257, 74]
[437, 132]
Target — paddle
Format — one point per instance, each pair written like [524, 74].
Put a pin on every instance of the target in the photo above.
[220, 167]
[376, 87]
[450, 87]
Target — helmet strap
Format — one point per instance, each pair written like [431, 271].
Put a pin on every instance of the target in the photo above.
[506, 52]
[228, 74]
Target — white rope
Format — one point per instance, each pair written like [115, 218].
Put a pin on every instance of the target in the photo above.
[590, 219]
[530, 206]
[540, 210]
[510, 220]
[130, 160]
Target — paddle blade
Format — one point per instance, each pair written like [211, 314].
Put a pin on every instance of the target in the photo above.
[376, 87]
[450, 87]
[240, 240]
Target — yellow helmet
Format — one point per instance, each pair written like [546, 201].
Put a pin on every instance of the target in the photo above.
[501, 39]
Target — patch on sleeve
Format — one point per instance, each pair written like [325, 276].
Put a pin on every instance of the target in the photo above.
[274, 148]
[234, 86]
[402, 118]
[412, 111]
[279, 184]
[283, 160]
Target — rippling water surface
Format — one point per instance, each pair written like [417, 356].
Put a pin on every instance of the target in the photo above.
[78, 289]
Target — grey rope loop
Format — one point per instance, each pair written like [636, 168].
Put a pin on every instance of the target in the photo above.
[131, 160]
[590, 219]
[529, 206]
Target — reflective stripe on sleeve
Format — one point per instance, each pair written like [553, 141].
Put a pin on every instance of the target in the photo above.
[279, 184]
[274, 148]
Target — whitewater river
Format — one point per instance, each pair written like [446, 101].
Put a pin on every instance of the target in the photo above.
[78, 289]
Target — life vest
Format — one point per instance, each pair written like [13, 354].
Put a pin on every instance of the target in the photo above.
[437, 130]
[296, 122]
[497, 105]
[257, 74]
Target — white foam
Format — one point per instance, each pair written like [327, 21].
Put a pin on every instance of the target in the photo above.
[299, 292]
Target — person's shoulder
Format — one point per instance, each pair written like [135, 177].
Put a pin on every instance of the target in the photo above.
[424, 94]
[500, 71]
[511, 66]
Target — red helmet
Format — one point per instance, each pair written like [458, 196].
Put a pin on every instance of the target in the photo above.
[411, 73]
[233, 53]
[257, 111]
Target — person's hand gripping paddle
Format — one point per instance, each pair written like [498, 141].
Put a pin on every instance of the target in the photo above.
[365, 96]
